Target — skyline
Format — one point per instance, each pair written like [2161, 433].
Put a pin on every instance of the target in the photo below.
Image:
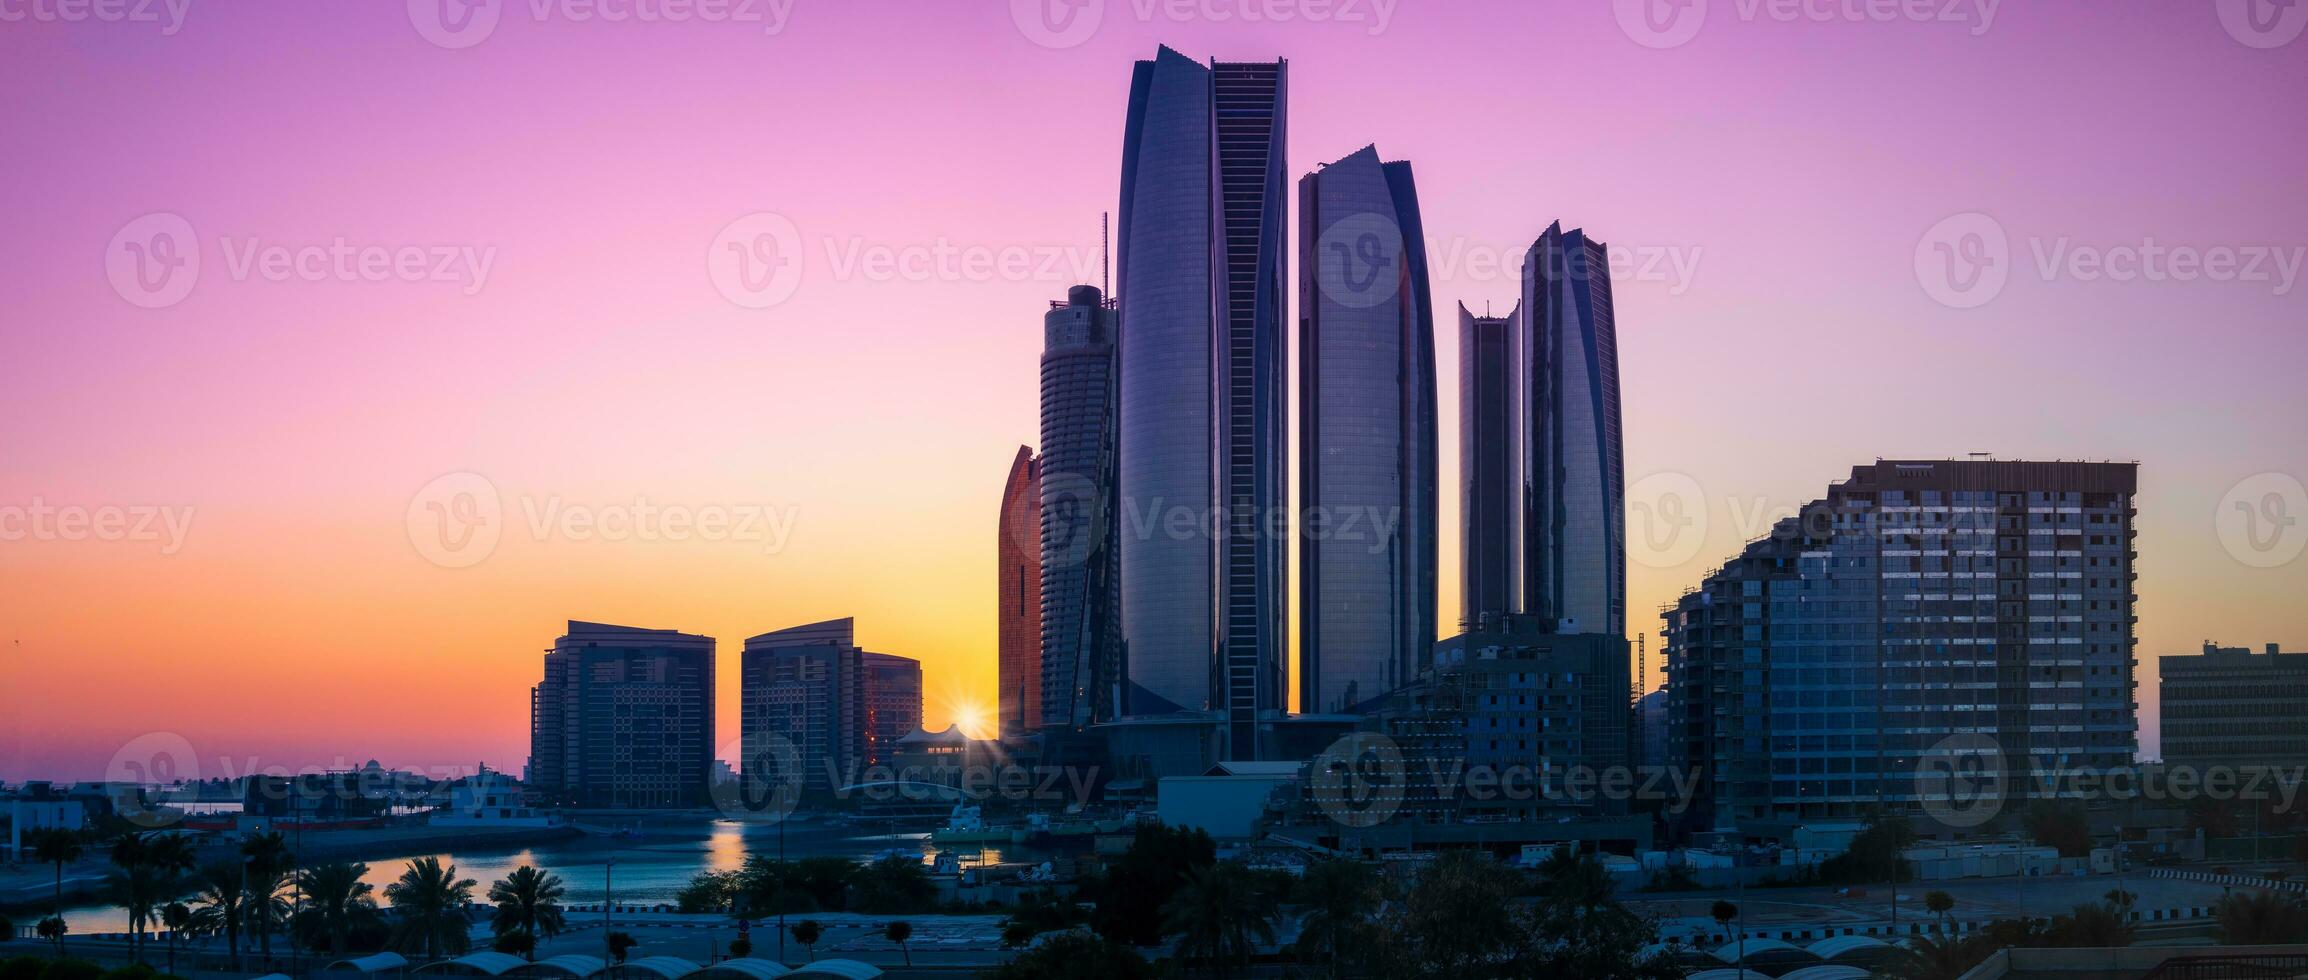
[299, 423]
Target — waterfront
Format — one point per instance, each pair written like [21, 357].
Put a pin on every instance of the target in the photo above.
[647, 870]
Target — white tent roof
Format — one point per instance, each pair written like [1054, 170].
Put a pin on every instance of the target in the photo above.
[492, 963]
[664, 967]
[842, 969]
[372, 963]
[572, 965]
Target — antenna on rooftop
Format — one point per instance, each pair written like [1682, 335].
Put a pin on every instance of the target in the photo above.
[1105, 253]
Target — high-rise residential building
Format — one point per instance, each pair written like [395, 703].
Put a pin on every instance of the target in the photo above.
[1978, 609]
[623, 718]
[1018, 593]
[892, 690]
[812, 699]
[1367, 454]
[1202, 393]
[1575, 527]
[1491, 427]
[1081, 601]
[2231, 707]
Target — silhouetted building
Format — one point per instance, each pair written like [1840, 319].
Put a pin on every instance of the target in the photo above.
[2229, 706]
[624, 718]
[1957, 610]
[1202, 392]
[1367, 465]
[1018, 591]
[813, 699]
[1491, 427]
[1575, 530]
[1081, 600]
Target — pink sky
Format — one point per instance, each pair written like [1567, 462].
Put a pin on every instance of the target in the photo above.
[1792, 168]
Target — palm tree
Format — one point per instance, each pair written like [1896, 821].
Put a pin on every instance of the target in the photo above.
[807, 932]
[218, 906]
[431, 901]
[1940, 957]
[2261, 918]
[178, 918]
[53, 929]
[1218, 914]
[898, 932]
[1723, 912]
[529, 902]
[336, 902]
[1339, 896]
[59, 847]
[1939, 903]
[267, 857]
[148, 867]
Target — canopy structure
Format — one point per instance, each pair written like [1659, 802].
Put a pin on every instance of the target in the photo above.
[838, 969]
[744, 968]
[1849, 947]
[1763, 951]
[372, 963]
[1727, 973]
[572, 966]
[477, 964]
[1828, 972]
[664, 967]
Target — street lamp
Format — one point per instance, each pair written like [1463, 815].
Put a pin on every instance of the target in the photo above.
[608, 896]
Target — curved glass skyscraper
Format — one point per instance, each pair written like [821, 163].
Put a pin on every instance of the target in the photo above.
[1079, 612]
[1202, 473]
[1575, 527]
[1490, 469]
[1367, 464]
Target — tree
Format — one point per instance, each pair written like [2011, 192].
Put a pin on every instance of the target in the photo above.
[1130, 895]
[430, 900]
[7, 929]
[337, 902]
[1723, 912]
[1876, 853]
[807, 932]
[709, 891]
[1937, 956]
[2063, 824]
[894, 884]
[1939, 903]
[898, 932]
[621, 943]
[1017, 934]
[59, 847]
[53, 929]
[2261, 918]
[529, 901]
[265, 907]
[1075, 955]
[739, 949]
[177, 918]
[1459, 919]
[1340, 896]
[148, 868]
[2091, 925]
[1218, 915]
[218, 905]
[519, 944]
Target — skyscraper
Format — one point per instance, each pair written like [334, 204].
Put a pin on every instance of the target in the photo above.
[1575, 528]
[1921, 614]
[1202, 392]
[624, 718]
[1018, 591]
[1081, 605]
[1491, 426]
[1367, 455]
[811, 700]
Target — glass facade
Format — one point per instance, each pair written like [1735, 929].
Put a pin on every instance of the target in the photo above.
[1490, 429]
[1575, 528]
[1018, 590]
[1080, 604]
[624, 718]
[1368, 480]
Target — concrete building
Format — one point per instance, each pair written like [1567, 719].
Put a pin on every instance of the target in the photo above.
[1920, 611]
[1368, 481]
[1202, 391]
[1018, 597]
[2229, 706]
[624, 719]
[812, 699]
[1081, 599]
[1490, 465]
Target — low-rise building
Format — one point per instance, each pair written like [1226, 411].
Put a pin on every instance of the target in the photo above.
[2229, 706]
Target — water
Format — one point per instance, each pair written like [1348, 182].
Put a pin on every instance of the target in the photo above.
[647, 871]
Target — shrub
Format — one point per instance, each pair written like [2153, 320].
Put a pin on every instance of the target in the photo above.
[23, 968]
[72, 970]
